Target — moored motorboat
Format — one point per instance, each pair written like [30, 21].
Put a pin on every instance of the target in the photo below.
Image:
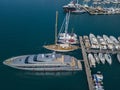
[119, 38]
[114, 39]
[118, 57]
[94, 42]
[102, 58]
[108, 58]
[96, 58]
[87, 42]
[70, 6]
[74, 7]
[101, 42]
[98, 81]
[109, 42]
[116, 42]
[91, 60]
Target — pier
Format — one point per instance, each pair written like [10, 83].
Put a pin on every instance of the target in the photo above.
[103, 51]
[87, 67]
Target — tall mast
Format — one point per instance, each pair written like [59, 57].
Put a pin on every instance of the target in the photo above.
[77, 1]
[67, 22]
[56, 27]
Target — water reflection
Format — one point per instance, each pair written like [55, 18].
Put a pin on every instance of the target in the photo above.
[48, 73]
[30, 74]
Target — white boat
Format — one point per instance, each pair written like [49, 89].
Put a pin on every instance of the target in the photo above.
[102, 58]
[70, 6]
[96, 58]
[87, 42]
[44, 62]
[108, 58]
[118, 57]
[119, 38]
[116, 42]
[79, 10]
[91, 60]
[74, 7]
[98, 81]
[109, 42]
[101, 42]
[94, 42]
[70, 38]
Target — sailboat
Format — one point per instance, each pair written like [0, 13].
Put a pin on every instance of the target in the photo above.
[64, 36]
[61, 47]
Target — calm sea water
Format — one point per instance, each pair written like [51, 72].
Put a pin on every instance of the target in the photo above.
[26, 25]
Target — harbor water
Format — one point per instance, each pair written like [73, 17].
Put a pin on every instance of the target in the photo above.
[27, 25]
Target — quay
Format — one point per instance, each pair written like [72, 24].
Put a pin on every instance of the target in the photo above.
[102, 51]
[100, 11]
[87, 67]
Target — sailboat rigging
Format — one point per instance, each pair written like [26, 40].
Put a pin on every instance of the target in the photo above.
[64, 44]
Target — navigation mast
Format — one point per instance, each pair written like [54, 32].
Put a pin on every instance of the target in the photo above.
[56, 27]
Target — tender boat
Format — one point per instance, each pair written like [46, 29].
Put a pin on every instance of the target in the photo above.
[102, 58]
[118, 57]
[91, 60]
[108, 58]
[44, 62]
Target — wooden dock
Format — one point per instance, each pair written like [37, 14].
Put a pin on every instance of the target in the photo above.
[103, 51]
[87, 67]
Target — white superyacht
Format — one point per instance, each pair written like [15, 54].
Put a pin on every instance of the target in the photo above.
[44, 62]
